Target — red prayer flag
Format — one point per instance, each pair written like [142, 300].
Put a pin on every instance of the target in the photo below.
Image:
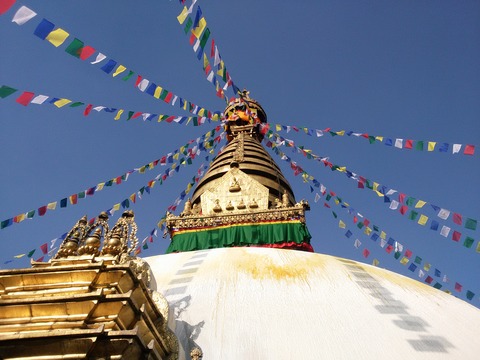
[40, 259]
[408, 144]
[42, 210]
[456, 236]
[401, 197]
[389, 249]
[366, 253]
[366, 222]
[73, 199]
[88, 109]
[192, 39]
[136, 115]
[403, 209]
[457, 218]
[139, 78]
[469, 149]
[44, 248]
[168, 97]
[25, 98]
[212, 50]
[86, 52]
[458, 287]
[429, 279]
[408, 254]
[5, 5]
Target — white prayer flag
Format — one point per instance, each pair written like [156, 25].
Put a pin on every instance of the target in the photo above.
[445, 231]
[23, 15]
[39, 99]
[100, 58]
[443, 214]
[399, 143]
[456, 148]
[394, 205]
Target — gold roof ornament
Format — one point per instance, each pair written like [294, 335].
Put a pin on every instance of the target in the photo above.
[69, 246]
[122, 239]
[92, 242]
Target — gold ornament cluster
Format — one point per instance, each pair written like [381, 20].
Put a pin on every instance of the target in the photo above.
[85, 239]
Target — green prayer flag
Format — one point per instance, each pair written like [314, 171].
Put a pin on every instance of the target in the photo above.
[471, 224]
[371, 139]
[78, 103]
[375, 228]
[75, 48]
[470, 295]
[413, 215]
[333, 133]
[30, 254]
[30, 214]
[410, 201]
[163, 94]
[437, 286]
[368, 185]
[328, 197]
[418, 260]
[419, 146]
[128, 76]
[334, 214]
[188, 25]
[81, 195]
[130, 114]
[6, 91]
[145, 246]
[397, 254]
[360, 225]
[204, 38]
[468, 242]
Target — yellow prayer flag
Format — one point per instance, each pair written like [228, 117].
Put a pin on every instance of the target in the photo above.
[61, 102]
[404, 260]
[431, 145]
[183, 15]
[142, 170]
[378, 193]
[337, 201]
[157, 92]
[375, 185]
[100, 187]
[420, 204]
[116, 207]
[383, 235]
[199, 29]
[52, 205]
[341, 224]
[278, 127]
[19, 256]
[342, 169]
[57, 37]
[341, 133]
[20, 218]
[367, 231]
[448, 292]
[379, 138]
[375, 262]
[119, 70]
[119, 113]
[423, 219]
[478, 247]
[426, 267]
[205, 61]
[175, 156]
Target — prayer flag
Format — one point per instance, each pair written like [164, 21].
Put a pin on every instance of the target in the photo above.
[6, 91]
[426, 267]
[420, 204]
[445, 231]
[443, 214]
[341, 224]
[434, 225]
[375, 262]
[198, 16]
[419, 146]
[399, 143]
[418, 260]
[25, 98]
[456, 236]
[23, 15]
[204, 39]
[458, 287]
[197, 30]
[86, 52]
[100, 57]
[119, 70]
[404, 261]
[443, 147]
[75, 48]
[183, 15]
[5, 5]
[471, 224]
[61, 102]
[429, 279]
[456, 148]
[57, 37]
[108, 67]
[469, 149]
[366, 253]
[412, 267]
[408, 144]
[431, 145]
[44, 248]
[423, 219]
[457, 218]
[470, 295]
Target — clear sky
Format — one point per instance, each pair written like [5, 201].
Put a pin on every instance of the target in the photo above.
[397, 69]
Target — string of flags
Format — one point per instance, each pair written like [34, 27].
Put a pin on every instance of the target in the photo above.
[46, 30]
[205, 141]
[27, 97]
[405, 204]
[199, 36]
[398, 143]
[373, 231]
[132, 199]
[161, 223]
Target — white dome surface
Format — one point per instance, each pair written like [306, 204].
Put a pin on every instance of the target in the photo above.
[258, 303]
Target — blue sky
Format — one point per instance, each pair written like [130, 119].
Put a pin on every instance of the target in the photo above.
[398, 69]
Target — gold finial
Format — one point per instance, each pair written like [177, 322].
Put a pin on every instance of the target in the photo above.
[69, 246]
[123, 234]
[90, 245]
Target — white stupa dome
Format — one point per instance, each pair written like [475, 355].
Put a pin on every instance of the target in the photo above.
[259, 303]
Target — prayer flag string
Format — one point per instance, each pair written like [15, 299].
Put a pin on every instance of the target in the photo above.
[27, 97]
[46, 30]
